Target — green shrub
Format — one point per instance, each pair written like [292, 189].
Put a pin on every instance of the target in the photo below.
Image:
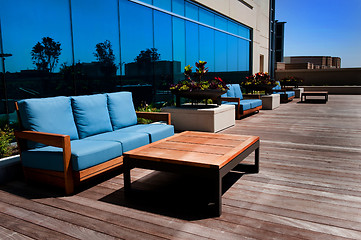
[6, 137]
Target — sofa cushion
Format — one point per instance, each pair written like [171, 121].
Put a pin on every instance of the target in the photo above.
[290, 93]
[129, 140]
[254, 102]
[121, 109]
[84, 154]
[155, 131]
[244, 105]
[91, 114]
[230, 92]
[237, 91]
[51, 115]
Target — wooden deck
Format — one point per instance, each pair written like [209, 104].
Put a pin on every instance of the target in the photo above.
[308, 188]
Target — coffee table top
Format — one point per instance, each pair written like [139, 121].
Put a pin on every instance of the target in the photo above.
[201, 149]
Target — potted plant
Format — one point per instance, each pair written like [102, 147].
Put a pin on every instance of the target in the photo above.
[259, 82]
[196, 87]
[290, 81]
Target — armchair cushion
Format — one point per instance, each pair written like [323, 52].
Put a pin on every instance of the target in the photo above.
[121, 110]
[84, 154]
[155, 131]
[129, 140]
[52, 115]
[91, 114]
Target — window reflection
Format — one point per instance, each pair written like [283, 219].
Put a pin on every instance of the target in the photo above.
[25, 25]
[206, 43]
[192, 48]
[133, 47]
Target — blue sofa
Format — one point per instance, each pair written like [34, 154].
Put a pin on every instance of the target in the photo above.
[285, 95]
[243, 106]
[66, 140]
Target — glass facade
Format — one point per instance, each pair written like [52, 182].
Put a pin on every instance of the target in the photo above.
[53, 48]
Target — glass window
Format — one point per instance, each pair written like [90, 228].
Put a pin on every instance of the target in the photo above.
[243, 55]
[163, 4]
[206, 46]
[163, 43]
[96, 45]
[220, 52]
[232, 27]
[146, 1]
[206, 17]
[192, 48]
[179, 48]
[178, 7]
[244, 32]
[232, 53]
[191, 11]
[221, 23]
[27, 26]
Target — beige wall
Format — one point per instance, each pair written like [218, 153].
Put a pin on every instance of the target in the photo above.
[328, 77]
[256, 18]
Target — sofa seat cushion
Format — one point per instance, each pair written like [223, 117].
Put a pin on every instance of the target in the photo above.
[290, 93]
[91, 115]
[129, 140]
[155, 131]
[51, 115]
[254, 102]
[84, 154]
[243, 105]
[121, 110]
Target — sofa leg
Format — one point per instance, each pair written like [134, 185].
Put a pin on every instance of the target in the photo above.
[69, 188]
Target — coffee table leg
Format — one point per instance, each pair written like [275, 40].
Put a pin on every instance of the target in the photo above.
[126, 174]
[217, 193]
[256, 160]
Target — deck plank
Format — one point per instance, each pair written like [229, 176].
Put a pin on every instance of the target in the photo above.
[308, 187]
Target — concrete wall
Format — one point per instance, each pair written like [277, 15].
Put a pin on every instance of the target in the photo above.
[327, 77]
[256, 18]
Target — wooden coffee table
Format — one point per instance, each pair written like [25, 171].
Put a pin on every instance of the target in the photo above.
[314, 93]
[204, 154]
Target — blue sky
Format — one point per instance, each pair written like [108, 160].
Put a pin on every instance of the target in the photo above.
[322, 28]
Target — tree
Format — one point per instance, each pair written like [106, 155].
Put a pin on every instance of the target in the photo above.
[148, 56]
[46, 54]
[104, 54]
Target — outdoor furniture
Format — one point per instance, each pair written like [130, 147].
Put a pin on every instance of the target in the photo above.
[286, 95]
[243, 106]
[85, 136]
[208, 155]
[323, 94]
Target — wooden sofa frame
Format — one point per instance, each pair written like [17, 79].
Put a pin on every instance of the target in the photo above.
[284, 98]
[240, 114]
[69, 178]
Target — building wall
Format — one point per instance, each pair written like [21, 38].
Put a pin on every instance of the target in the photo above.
[321, 77]
[256, 17]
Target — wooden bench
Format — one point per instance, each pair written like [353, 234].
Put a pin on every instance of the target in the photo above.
[314, 93]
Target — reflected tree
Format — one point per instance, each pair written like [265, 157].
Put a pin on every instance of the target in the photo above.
[148, 56]
[45, 54]
[104, 54]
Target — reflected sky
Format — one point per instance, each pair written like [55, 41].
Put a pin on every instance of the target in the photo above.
[24, 23]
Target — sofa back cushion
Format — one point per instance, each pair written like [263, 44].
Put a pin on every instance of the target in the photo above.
[278, 86]
[237, 91]
[230, 92]
[91, 114]
[121, 110]
[51, 115]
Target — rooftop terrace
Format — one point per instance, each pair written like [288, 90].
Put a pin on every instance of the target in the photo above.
[308, 187]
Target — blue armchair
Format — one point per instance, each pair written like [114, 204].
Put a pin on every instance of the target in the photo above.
[243, 106]
[286, 96]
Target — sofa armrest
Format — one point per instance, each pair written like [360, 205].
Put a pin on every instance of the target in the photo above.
[51, 139]
[230, 99]
[155, 116]
[251, 96]
[55, 140]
